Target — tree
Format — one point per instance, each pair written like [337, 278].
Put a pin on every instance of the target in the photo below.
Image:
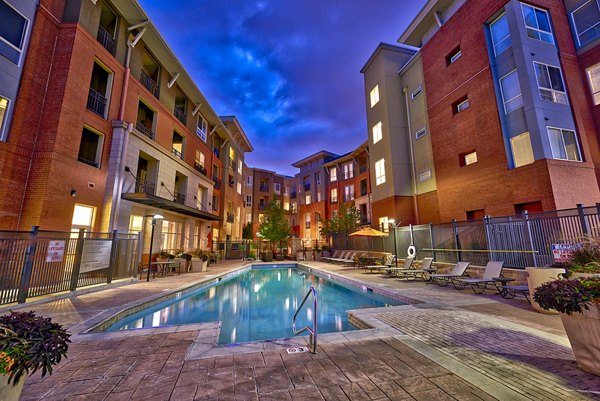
[345, 220]
[274, 226]
[247, 231]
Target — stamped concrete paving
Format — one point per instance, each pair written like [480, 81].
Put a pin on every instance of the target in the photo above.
[454, 345]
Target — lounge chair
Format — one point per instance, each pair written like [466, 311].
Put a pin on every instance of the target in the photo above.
[388, 261]
[391, 271]
[492, 275]
[342, 256]
[348, 259]
[421, 272]
[442, 279]
[336, 254]
[353, 260]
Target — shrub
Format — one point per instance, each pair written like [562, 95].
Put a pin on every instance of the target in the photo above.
[29, 343]
[568, 296]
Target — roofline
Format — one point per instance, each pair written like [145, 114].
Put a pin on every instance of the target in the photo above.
[399, 48]
[350, 155]
[417, 20]
[314, 156]
[234, 120]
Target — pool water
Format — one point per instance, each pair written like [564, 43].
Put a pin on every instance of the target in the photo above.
[259, 304]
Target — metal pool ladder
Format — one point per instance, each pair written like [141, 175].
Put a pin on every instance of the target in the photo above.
[312, 336]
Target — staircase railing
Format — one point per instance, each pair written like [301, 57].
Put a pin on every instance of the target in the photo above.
[312, 332]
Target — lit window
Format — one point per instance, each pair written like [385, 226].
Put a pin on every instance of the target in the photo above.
[511, 92]
[248, 218]
[537, 22]
[425, 176]
[420, 133]
[83, 217]
[550, 83]
[200, 159]
[348, 193]
[500, 34]
[239, 188]
[348, 170]
[416, 92]
[586, 19]
[384, 223]
[521, 149]
[333, 174]
[261, 217]
[377, 132]
[334, 195]
[136, 224]
[307, 220]
[593, 74]
[12, 33]
[201, 127]
[307, 199]
[462, 105]
[248, 200]
[564, 144]
[240, 166]
[286, 205]
[3, 112]
[318, 196]
[90, 148]
[380, 172]
[249, 181]
[469, 158]
[375, 95]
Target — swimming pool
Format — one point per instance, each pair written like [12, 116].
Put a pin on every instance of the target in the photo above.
[259, 304]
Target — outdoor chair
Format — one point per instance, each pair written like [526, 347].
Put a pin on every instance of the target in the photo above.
[388, 261]
[511, 291]
[391, 271]
[354, 260]
[143, 269]
[342, 256]
[336, 254]
[421, 272]
[442, 279]
[492, 276]
[345, 257]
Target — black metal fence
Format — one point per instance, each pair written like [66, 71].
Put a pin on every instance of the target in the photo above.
[34, 263]
[519, 241]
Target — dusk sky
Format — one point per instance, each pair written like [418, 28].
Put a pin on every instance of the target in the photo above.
[288, 70]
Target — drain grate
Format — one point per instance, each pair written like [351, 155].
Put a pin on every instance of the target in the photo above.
[298, 350]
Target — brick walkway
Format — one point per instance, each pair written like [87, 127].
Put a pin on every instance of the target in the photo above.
[453, 346]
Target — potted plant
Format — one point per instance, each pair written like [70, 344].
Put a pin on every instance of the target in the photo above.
[28, 343]
[537, 276]
[578, 302]
[186, 256]
[164, 255]
[584, 262]
[199, 260]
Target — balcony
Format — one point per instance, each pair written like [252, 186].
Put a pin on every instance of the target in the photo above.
[145, 186]
[177, 153]
[200, 168]
[217, 183]
[106, 40]
[307, 187]
[362, 168]
[179, 198]
[230, 217]
[149, 83]
[97, 103]
[293, 195]
[216, 152]
[363, 192]
[263, 188]
[348, 197]
[181, 115]
[262, 206]
[142, 128]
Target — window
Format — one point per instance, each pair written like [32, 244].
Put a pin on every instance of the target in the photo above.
[420, 133]
[521, 149]
[261, 217]
[453, 56]
[3, 116]
[318, 196]
[529, 207]
[511, 92]
[348, 170]
[286, 206]
[83, 217]
[348, 193]
[277, 187]
[468, 158]
[333, 174]
[200, 158]
[475, 214]
[550, 83]
[384, 223]
[377, 132]
[318, 178]
[178, 146]
[240, 166]
[100, 86]
[248, 200]
[537, 22]
[380, 172]
[307, 220]
[136, 224]
[564, 144]
[460, 105]
[593, 74]
[425, 176]
[90, 148]
[333, 196]
[500, 34]
[215, 203]
[239, 188]
[374, 96]
[201, 127]
[12, 33]
[249, 181]
[416, 92]
[248, 218]
[307, 199]
[586, 20]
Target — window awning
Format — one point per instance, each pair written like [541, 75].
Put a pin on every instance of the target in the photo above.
[165, 204]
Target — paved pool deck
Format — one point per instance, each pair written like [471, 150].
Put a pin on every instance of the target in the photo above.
[447, 345]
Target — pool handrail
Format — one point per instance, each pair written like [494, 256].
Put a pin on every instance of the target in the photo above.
[312, 337]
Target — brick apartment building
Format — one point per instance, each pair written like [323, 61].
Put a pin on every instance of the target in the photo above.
[457, 153]
[107, 128]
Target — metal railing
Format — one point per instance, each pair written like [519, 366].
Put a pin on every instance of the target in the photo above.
[263, 188]
[180, 114]
[200, 168]
[106, 39]
[179, 198]
[145, 186]
[176, 153]
[312, 332]
[149, 83]
[142, 129]
[217, 183]
[96, 103]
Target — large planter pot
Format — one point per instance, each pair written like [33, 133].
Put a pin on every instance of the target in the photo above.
[583, 330]
[199, 265]
[537, 277]
[266, 256]
[8, 392]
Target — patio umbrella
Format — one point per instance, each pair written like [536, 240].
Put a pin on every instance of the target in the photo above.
[368, 232]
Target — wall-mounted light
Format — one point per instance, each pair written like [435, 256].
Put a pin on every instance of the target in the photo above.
[73, 193]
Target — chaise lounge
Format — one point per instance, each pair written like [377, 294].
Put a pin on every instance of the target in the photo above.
[492, 276]
[442, 279]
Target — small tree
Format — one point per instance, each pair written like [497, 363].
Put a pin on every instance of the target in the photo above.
[247, 231]
[274, 226]
[345, 220]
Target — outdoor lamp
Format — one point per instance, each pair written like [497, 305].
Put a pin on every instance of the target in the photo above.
[154, 218]
[392, 224]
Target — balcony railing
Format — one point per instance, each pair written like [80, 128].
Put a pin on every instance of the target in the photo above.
[262, 206]
[106, 40]
[142, 128]
[180, 114]
[334, 200]
[200, 168]
[179, 198]
[149, 83]
[230, 218]
[145, 186]
[348, 197]
[363, 192]
[362, 168]
[89, 162]
[97, 103]
[263, 188]
[217, 183]
[177, 153]
[232, 164]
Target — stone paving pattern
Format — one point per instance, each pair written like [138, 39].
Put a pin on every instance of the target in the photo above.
[515, 349]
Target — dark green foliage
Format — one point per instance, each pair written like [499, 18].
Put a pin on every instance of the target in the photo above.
[274, 226]
[568, 296]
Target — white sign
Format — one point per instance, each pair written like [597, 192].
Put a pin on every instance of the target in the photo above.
[564, 252]
[96, 255]
[56, 251]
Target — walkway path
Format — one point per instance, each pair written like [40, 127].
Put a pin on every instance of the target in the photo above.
[453, 346]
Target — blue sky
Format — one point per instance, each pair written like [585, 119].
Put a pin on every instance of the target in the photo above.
[289, 70]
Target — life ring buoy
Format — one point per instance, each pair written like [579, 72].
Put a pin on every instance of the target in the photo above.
[412, 251]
